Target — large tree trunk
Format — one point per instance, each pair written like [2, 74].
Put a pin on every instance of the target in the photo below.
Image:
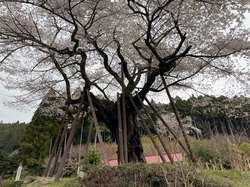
[135, 149]
[108, 115]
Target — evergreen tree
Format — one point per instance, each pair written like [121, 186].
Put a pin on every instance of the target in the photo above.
[10, 136]
[36, 141]
[8, 164]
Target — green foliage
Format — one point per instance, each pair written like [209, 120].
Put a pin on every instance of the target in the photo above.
[211, 155]
[36, 142]
[128, 175]
[184, 106]
[245, 148]
[153, 116]
[10, 183]
[105, 132]
[8, 164]
[10, 136]
[230, 178]
[93, 157]
[85, 124]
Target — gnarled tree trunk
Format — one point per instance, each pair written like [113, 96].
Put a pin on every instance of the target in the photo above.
[135, 149]
[107, 113]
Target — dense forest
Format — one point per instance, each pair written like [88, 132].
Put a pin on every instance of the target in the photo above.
[216, 114]
[10, 137]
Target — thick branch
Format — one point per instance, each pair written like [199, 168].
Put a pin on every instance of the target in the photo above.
[105, 62]
[66, 80]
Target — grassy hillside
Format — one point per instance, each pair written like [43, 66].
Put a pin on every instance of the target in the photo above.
[143, 175]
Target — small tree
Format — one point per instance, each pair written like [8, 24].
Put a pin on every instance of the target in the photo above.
[93, 157]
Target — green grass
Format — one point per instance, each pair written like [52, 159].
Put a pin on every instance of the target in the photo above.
[49, 182]
[230, 177]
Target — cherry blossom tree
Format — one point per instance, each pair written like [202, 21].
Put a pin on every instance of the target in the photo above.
[65, 44]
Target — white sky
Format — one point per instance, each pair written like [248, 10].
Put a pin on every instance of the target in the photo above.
[10, 115]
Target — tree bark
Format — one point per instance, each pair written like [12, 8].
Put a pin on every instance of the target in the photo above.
[107, 114]
[135, 149]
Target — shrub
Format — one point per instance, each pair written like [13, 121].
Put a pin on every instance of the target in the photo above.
[245, 148]
[70, 168]
[210, 155]
[93, 157]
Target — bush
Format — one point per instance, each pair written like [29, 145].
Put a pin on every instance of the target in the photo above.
[161, 175]
[245, 148]
[129, 175]
[211, 156]
[93, 157]
[70, 168]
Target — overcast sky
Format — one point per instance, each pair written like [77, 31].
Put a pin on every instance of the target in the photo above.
[10, 115]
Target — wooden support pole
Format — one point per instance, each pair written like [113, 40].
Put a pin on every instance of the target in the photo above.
[167, 126]
[157, 134]
[89, 138]
[179, 121]
[70, 139]
[80, 149]
[120, 136]
[124, 120]
[56, 143]
[148, 131]
[125, 130]
[53, 169]
[97, 127]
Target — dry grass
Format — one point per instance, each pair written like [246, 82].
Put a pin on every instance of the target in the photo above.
[221, 148]
[218, 152]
